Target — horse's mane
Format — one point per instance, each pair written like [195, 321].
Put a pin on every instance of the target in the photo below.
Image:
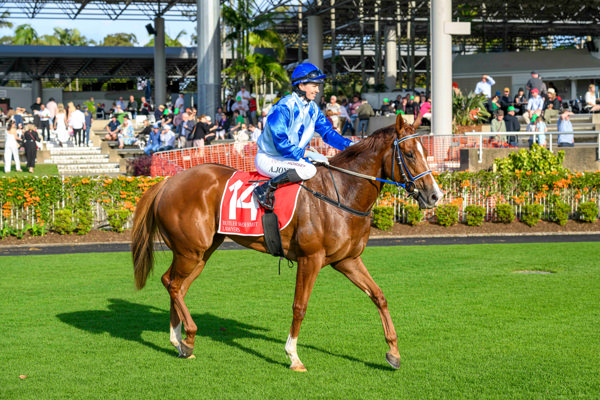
[371, 144]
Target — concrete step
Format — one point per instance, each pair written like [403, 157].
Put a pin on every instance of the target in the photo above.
[73, 167]
[61, 151]
[74, 159]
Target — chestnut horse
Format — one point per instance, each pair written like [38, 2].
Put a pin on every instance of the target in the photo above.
[185, 210]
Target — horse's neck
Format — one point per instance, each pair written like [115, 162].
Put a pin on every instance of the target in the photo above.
[356, 192]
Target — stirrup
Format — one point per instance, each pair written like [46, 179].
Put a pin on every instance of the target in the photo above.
[264, 195]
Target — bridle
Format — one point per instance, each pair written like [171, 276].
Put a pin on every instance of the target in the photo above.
[409, 180]
[408, 185]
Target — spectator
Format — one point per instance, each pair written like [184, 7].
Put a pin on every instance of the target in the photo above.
[322, 104]
[120, 103]
[143, 135]
[238, 120]
[11, 147]
[158, 113]
[60, 125]
[535, 82]
[365, 111]
[212, 130]
[564, 125]
[201, 134]
[254, 132]
[35, 111]
[590, 100]
[127, 136]
[505, 100]
[534, 105]
[345, 117]
[91, 106]
[512, 125]
[180, 102]
[222, 126]
[166, 118]
[77, 122]
[385, 107]
[520, 102]
[241, 139]
[113, 128]
[218, 114]
[132, 107]
[177, 119]
[153, 143]
[552, 106]
[241, 106]
[537, 125]
[252, 108]
[334, 107]
[455, 90]
[244, 94]
[229, 102]
[119, 113]
[485, 86]
[30, 140]
[144, 106]
[498, 125]
[53, 109]
[18, 118]
[45, 122]
[89, 118]
[185, 129]
[263, 119]
[426, 111]
[167, 138]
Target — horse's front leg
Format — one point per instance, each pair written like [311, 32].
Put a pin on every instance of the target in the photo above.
[308, 269]
[355, 270]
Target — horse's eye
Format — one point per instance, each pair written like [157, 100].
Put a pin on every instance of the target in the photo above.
[409, 154]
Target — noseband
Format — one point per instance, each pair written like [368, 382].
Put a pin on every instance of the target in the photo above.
[409, 180]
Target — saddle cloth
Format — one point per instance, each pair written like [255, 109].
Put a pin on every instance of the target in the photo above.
[241, 214]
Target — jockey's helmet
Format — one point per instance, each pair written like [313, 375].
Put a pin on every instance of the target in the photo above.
[307, 72]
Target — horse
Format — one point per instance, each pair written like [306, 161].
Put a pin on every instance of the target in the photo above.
[184, 209]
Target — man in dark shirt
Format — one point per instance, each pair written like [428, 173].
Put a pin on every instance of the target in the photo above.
[512, 125]
[113, 129]
[536, 83]
[35, 111]
[505, 100]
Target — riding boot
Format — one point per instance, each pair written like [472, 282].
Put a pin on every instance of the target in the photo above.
[265, 193]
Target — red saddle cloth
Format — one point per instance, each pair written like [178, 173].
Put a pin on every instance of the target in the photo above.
[241, 214]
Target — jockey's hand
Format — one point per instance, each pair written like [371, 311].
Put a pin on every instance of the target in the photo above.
[317, 157]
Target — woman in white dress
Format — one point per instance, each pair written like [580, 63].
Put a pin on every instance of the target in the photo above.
[11, 147]
[60, 124]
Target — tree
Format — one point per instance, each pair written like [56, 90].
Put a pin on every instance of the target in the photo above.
[120, 39]
[4, 23]
[25, 35]
[66, 37]
[169, 42]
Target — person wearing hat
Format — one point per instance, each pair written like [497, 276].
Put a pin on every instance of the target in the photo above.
[113, 128]
[538, 125]
[535, 82]
[167, 138]
[505, 99]
[154, 142]
[512, 124]
[240, 105]
[535, 105]
[552, 106]
[498, 125]
[484, 86]
[283, 153]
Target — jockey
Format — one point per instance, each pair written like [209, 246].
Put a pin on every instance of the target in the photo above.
[291, 123]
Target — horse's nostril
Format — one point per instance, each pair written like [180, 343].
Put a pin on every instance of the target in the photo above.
[434, 198]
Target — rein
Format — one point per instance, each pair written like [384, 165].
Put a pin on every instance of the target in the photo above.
[409, 180]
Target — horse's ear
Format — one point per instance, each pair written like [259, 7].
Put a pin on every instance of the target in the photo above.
[417, 122]
[399, 123]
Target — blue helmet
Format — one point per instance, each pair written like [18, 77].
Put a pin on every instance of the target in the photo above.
[307, 72]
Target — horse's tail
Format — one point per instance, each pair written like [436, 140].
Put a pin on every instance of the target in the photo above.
[142, 235]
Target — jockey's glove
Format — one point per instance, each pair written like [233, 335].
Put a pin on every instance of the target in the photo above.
[317, 157]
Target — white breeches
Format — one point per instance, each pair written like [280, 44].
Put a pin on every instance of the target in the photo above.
[11, 152]
[273, 166]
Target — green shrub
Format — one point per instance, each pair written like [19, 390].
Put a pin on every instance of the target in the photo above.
[587, 211]
[117, 219]
[37, 229]
[505, 213]
[560, 212]
[85, 219]
[63, 221]
[536, 159]
[383, 217]
[531, 213]
[447, 214]
[414, 215]
[475, 215]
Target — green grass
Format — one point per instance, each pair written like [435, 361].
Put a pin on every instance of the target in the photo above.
[40, 169]
[468, 327]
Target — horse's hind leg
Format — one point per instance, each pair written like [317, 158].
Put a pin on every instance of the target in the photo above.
[177, 280]
[355, 270]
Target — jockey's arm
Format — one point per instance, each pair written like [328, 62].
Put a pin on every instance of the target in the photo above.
[324, 128]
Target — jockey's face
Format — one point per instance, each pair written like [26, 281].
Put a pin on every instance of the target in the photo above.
[310, 88]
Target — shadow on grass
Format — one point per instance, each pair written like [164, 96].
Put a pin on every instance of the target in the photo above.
[127, 320]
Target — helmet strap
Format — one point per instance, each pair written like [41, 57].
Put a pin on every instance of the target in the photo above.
[296, 89]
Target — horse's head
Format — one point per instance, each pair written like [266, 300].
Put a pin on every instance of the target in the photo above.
[409, 165]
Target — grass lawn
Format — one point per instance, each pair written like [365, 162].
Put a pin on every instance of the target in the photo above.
[468, 327]
[40, 169]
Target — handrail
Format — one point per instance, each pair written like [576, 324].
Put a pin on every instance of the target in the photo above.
[534, 134]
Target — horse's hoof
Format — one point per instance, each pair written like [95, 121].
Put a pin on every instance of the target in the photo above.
[298, 368]
[186, 351]
[393, 360]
